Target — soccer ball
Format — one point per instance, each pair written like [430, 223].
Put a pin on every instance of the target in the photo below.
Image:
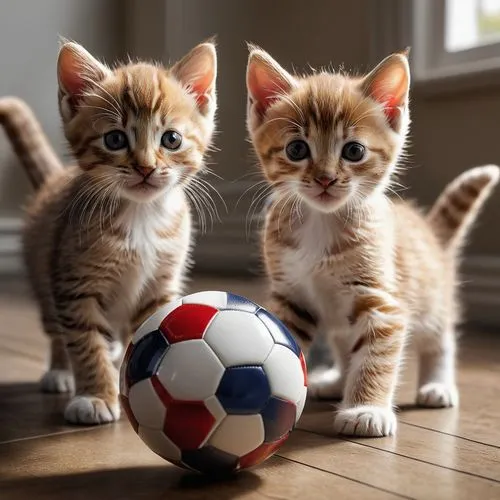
[213, 382]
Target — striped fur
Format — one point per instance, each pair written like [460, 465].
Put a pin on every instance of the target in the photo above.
[347, 264]
[105, 242]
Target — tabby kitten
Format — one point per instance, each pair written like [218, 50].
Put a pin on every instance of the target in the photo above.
[107, 241]
[344, 261]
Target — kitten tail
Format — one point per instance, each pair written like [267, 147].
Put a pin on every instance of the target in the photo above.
[28, 140]
[457, 208]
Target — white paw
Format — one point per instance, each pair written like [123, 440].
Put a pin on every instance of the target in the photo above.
[437, 395]
[58, 381]
[369, 421]
[324, 384]
[89, 410]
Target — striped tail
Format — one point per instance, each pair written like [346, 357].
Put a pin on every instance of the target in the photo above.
[28, 140]
[457, 208]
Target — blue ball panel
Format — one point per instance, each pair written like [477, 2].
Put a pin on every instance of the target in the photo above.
[278, 330]
[279, 419]
[238, 303]
[210, 460]
[146, 357]
[243, 390]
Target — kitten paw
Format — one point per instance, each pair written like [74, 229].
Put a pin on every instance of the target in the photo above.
[437, 395]
[324, 384]
[367, 421]
[90, 410]
[58, 381]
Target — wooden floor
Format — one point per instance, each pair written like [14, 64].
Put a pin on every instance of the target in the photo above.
[437, 454]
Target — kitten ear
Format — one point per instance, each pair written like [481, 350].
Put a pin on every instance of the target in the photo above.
[198, 72]
[389, 85]
[266, 81]
[77, 69]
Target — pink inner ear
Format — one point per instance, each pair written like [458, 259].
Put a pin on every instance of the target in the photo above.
[70, 74]
[263, 88]
[201, 88]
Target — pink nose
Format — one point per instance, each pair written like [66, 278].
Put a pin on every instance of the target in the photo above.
[144, 171]
[325, 181]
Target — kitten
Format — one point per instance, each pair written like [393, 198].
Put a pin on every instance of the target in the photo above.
[107, 241]
[343, 260]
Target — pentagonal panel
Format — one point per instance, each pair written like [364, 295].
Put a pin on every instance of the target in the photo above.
[279, 418]
[238, 303]
[160, 444]
[301, 403]
[210, 460]
[260, 454]
[284, 373]
[188, 424]
[278, 330]
[218, 300]
[187, 322]
[147, 407]
[243, 390]
[238, 434]
[128, 411]
[154, 321]
[239, 338]
[146, 357]
[190, 371]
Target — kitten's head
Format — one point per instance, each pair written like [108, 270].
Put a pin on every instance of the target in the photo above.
[138, 129]
[329, 138]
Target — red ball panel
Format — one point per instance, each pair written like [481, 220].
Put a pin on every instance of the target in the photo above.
[126, 408]
[163, 394]
[304, 367]
[263, 452]
[187, 322]
[188, 423]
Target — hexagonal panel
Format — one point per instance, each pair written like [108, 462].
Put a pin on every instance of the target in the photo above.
[243, 390]
[300, 404]
[124, 383]
[188, 424]
[209, 298]
[191, 371]
[279, 419]
[216, 409]
[278, 330]
[210, 460]
[262, 453]
[239, 338]
[304, 367]
[238, 303]
[160, 444]
[284, 373]
[146, 357]
[154, 321]
[128, 411]
[148, 408]
[187, 322]
[238, 434]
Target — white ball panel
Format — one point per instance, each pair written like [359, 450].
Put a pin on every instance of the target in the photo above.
[301, 403]
[239, 434]
[154, 321]
[159, 443]
[215, 408]
[214, 299]
[239, 338]
[146, 406]
[190, 371]
[284, 373]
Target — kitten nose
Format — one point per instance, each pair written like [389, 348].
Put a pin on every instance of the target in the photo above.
[144, 171]
[325, 181]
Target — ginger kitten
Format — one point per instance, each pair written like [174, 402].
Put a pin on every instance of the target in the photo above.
[107, 241]
[344, 261]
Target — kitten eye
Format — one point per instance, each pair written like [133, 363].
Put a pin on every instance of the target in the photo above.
[297, 150]
[115, 140]
[171, 140]
[353, 152]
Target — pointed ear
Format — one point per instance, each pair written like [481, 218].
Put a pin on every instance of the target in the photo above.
[77, 70]
[266, 81]
[198, 72]
[389, 85]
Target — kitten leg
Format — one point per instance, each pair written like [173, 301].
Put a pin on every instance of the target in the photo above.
[437, 386]
[59, 378]
[96, 400]
[366, 409]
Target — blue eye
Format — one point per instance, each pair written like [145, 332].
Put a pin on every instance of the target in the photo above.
[115, 140]
[171, 140]
[297, 150]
